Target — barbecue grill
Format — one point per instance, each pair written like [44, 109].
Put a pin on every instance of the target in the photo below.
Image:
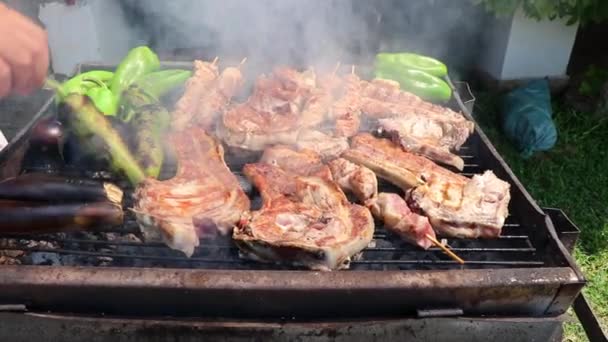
[527, 272]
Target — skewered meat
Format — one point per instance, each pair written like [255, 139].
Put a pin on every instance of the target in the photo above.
[346, 110]
[357, 179]
[205, 74]
[455, 205]
[476, 209]
[203, 198]
[217, 98]
[272, 114]
[399, 219]
[305, 220]
[326, 146]
[429, 135]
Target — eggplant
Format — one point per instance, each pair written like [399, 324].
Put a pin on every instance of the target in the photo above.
[31, 218]
[44, 187]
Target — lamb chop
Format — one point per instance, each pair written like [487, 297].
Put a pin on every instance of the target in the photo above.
[205, 75]
[455, 205]
[203, 199]
[346, 107]
[399, 219]
[305, 219]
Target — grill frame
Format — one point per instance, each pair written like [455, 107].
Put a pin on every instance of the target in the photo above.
[534, 291]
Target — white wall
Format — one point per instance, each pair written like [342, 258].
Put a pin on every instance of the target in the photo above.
[538, 49]
[90, 31]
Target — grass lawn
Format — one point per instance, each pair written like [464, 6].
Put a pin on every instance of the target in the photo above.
[573, 177]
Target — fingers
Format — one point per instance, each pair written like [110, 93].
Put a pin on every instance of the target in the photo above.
[5, 78]
[24, 50]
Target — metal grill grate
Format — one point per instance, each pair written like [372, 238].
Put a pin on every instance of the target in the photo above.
[123, 246]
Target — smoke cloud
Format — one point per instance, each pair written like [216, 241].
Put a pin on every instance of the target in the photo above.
[312, 32]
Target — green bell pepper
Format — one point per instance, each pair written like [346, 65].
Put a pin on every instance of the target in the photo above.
[103, 99]
[80, 83]
[412, 61]
[159, 83]
[138, 62]
[425, 85]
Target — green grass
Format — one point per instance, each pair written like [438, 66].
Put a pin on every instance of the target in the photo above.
[574, 177]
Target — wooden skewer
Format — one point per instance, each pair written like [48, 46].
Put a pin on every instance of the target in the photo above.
[215, 60]
[242, 62]
[336, 68]
[352, 69]
[445, 249]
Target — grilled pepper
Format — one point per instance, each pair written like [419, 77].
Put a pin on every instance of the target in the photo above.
[425, 85]
[138, 62]
[159, 83]
[88, 123]
[150, 122]
[80, 83]
[411, 61]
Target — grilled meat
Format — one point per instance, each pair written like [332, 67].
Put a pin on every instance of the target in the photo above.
[346, 109]
[455, 205]
[306, 219]
[429, 135]
[202, 199]
[399, 219]
[475, 209]
[205, 75]
[390, 162]
[326, 146]
[272, 114]
[357, 179]
[418, 126]
[217, 98]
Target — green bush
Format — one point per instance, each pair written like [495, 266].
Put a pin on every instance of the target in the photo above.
[583, 11]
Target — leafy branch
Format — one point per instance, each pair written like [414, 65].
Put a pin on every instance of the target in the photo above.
[583, 11]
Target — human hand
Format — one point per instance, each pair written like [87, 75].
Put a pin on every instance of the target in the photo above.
[24, 53]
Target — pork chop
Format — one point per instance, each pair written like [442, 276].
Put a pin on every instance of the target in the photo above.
[204, 198]
[357, 179]
[204, 77]
[455, 205]
[473, 210]
[305, 220]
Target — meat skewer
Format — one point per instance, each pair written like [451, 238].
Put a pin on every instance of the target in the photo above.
[205, 74]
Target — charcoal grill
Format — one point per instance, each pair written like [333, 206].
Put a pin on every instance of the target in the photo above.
[526, 272]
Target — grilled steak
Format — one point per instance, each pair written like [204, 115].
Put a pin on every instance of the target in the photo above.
[305, 219]
[357, 179]
[399, 219]
[455, 205]
[202, 199]
[205, 75]
[475, 209]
